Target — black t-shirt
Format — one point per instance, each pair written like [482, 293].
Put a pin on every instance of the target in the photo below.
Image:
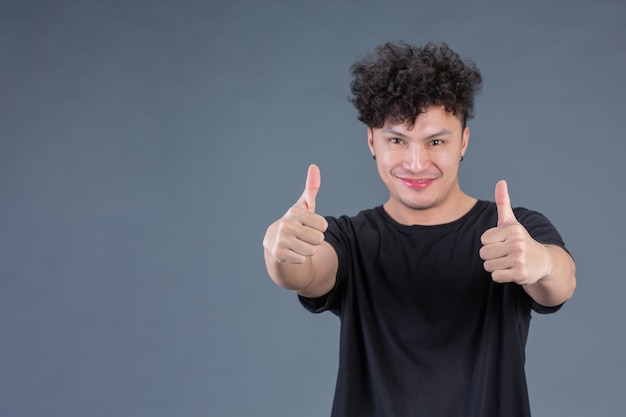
[424, 329]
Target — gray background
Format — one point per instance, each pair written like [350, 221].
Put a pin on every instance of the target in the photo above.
[146, 145]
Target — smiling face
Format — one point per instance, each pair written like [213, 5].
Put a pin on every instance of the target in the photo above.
[420, 165]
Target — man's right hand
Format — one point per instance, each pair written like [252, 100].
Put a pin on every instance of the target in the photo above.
[300, 232]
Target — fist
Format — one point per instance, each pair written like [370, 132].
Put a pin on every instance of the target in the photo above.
[509, 253]
[297, 235]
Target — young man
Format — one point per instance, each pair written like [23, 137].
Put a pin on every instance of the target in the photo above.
[434, 289]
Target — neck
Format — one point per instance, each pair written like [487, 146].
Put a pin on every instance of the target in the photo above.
[431, 216]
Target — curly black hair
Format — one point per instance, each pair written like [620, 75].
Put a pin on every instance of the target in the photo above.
[399, 81]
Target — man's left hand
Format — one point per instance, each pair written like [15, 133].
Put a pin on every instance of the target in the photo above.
[509, 252]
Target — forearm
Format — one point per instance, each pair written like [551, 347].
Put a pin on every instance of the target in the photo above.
[297, 257]
[290, 276]
[558, 285]
[312, 278]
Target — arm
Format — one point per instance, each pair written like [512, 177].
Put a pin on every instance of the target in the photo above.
[296, 256]
[546, 272]
[558, 284]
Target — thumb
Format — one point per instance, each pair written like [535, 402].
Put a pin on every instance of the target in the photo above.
[503, 203]
[312, 185]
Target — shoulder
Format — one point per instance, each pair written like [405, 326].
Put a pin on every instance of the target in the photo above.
[365, 218]
[538, 226]
[488, 211]
[346, 233]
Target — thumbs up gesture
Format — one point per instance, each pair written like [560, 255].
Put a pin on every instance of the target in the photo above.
[509, 252]
[297, 235]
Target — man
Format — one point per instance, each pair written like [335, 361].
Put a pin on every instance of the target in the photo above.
[434, 289]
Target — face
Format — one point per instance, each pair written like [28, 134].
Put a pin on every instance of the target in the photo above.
[420, 165]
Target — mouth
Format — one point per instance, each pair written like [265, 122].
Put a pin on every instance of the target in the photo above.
[417, 184]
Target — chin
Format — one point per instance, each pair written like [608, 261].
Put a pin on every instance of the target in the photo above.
[418, 205]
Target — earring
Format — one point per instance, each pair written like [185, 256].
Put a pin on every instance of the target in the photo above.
[374, 157]
[462, 157]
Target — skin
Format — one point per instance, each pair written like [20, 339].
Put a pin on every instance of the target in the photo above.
[296, 255]
[419, 164]
[546, 272]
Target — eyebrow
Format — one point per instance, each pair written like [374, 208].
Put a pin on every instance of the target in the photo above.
[442, 132]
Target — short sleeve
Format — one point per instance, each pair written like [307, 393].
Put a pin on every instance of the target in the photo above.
[543, 231]
[336, 235]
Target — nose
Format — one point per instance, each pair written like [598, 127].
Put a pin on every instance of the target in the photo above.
[416, 158]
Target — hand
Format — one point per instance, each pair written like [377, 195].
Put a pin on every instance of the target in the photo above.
[295, 236]
[509, 252]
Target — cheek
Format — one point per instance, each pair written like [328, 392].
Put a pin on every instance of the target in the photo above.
[384, 164]
[387, 161]
[390, 156]
[448, 159]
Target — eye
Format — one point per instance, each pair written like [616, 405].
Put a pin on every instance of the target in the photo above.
[395, 141]
[436, 142]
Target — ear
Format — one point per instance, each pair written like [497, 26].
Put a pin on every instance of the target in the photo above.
[465, 140]
[370, 140]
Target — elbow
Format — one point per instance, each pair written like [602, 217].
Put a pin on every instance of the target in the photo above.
[571, 284]
[571, 287]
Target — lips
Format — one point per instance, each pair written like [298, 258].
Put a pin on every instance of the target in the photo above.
[417, 184]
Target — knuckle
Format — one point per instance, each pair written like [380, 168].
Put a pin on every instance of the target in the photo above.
[279, 255]
[293, 211]
[289, 214]
[496, 277]
[487, 266]
[484, 238]
[523, 274]
[518, 248]
[319, 238]
[281, 231]
[518, 231]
